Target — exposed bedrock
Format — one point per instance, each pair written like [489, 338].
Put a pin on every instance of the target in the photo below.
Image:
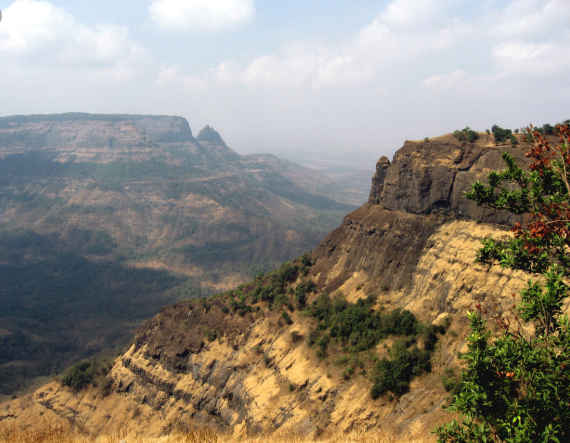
[428, 176]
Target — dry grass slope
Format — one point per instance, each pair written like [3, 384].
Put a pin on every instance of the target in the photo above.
[62, 432]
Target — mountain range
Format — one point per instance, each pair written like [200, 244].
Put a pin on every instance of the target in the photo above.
[365, 331]
[105, 218]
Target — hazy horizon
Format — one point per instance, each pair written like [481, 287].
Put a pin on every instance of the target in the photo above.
[299, 79]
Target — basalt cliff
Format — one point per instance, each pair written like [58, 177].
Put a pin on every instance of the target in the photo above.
[257, 358]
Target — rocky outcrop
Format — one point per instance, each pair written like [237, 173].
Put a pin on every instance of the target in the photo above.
[378, 180]
[91, 130]
[432, 176]
[213, 142]
[210, 135]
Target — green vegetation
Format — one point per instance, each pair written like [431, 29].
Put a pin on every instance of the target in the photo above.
[466, 134]
[109, 175]
[501, 135]
[86, 372]
[515, 387]
[54, 300]
[356, 327]
[451, 381]
[395, 374]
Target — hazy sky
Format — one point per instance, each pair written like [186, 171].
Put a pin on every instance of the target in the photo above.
[311, 76]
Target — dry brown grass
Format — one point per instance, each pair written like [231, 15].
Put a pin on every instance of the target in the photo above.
[63, 432]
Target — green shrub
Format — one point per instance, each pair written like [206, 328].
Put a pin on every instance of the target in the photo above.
[394, 375]
[286, 317]
[466, 134]
[84, 373]
[211, 334]
[501, 135]
[451, 382]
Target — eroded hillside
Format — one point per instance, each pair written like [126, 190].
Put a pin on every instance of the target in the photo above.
[303, 347]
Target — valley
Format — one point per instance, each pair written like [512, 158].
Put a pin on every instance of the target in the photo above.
[105, 218]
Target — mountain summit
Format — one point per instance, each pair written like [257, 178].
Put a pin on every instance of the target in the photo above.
[208, 134]
[213, 142]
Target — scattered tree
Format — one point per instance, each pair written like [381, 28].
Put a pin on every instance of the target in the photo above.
[466, 134]
[501, 135]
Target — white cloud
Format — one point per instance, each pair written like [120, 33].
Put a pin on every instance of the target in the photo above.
[171, 76]
[414, 12]
[536, 59]
[529, 18]
[201, 15]
[388, 41]
[459, 83]
[39, 34]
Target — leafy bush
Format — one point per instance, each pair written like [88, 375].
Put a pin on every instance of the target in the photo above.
[451, 382]
[466, 134]
[286, 317]
[501, 135]
[357, 325]
[394, 375]
[516, 384]
[84, 373]
[295, 336]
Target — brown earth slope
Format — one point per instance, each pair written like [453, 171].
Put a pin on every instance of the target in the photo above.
[201, 364]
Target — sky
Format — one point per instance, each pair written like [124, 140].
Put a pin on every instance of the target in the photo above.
[300, 78]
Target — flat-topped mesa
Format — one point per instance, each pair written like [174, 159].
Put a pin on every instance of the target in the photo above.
[211, 139]
[163, 128]
[432, 176]
[99, 138]
[84, 130]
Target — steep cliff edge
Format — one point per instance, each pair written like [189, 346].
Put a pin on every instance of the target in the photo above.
[431, 176]
[241, 370]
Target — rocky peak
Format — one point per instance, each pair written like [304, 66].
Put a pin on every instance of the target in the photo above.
[210, 135]
[378, 180]
[211, 140]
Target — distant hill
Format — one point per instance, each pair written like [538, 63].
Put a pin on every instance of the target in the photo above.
[104, 218]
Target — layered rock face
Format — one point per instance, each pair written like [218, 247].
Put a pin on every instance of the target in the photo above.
[257, 378]
[89, 130]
